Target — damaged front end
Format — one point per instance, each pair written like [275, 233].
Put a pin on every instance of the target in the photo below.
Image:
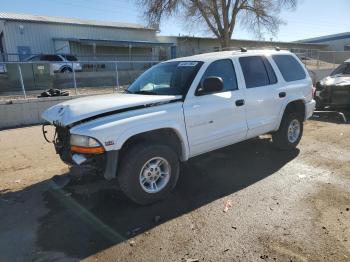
[75, 150]
[336, 95]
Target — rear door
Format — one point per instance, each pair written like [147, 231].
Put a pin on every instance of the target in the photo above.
[217, 119]
[263, 95]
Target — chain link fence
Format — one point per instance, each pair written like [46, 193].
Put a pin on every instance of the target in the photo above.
[321, 63]
[22, 80]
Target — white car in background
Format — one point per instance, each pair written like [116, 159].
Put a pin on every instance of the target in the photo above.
[59, 63]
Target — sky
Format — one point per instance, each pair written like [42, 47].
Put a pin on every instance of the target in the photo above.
[312, 18]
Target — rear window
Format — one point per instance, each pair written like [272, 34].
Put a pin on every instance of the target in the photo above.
[34, 58]
[290, 68]
[257, 71]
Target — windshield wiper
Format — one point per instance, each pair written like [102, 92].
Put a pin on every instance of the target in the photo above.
[143, 92]
[127, 91]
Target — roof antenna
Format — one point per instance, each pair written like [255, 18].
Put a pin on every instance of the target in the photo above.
[277, 48]
[243, 49]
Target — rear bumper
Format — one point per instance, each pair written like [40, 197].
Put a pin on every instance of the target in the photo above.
[309, 108]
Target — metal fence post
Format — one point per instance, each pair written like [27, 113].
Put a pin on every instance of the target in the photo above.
[21, 79]
[74, 80]
[117, 76]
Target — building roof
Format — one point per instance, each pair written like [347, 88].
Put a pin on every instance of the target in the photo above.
[326, 38]
[248, 41]
[115, 42]
[63, 20]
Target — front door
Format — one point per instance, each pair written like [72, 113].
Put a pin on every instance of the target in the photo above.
[217, 119]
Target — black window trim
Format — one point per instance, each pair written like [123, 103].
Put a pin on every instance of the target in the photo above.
[264, 60]
[223, 91]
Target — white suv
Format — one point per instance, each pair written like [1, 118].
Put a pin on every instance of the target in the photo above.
[59, 63]
[182, 108]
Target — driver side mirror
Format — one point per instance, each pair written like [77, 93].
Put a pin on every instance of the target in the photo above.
[211, 84]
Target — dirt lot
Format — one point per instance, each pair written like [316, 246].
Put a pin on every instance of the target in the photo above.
[286, 206]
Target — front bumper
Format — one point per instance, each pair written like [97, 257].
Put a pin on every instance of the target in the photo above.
[105, 163]
[309, 108]
[333, 95]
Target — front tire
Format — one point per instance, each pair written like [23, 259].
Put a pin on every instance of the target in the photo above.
[66, 70]
[148, 172]
[288, 136]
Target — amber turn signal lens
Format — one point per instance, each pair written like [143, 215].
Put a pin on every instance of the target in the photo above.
[87, 150]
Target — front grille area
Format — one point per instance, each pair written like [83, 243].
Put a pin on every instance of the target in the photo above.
[62, 144]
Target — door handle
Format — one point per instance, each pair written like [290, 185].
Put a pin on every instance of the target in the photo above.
[282, 94]
[240, 102]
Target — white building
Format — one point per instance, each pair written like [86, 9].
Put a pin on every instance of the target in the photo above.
[22, 35]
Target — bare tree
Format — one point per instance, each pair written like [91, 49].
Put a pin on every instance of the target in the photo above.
[221, 16]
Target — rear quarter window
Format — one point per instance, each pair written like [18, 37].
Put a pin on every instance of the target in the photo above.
[289, 67]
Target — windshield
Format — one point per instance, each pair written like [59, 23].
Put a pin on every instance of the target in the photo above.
[170, 78]
[343, 69]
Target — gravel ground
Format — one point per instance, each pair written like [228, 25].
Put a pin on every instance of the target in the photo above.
[281, 206]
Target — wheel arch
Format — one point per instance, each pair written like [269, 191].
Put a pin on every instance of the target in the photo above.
[297, 106]
[64, 67]
[166, 135]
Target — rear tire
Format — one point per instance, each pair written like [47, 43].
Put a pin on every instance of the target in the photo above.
[142, 174]
[288, 136]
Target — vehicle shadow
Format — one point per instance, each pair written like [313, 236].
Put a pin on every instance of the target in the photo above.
[90, 215]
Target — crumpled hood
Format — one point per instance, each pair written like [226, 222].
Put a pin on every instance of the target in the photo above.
[79, 109]
[338, 80]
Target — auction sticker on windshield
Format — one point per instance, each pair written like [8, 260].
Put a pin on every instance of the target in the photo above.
[187, 64]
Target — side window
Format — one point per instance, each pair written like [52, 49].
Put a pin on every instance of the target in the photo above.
[290, 68]
[224, 69]
[257, 71]
[51, 58]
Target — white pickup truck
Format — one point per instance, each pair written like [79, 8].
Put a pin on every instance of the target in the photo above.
[182, 108]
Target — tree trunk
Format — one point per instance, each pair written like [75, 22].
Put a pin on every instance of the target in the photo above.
[225, 41]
